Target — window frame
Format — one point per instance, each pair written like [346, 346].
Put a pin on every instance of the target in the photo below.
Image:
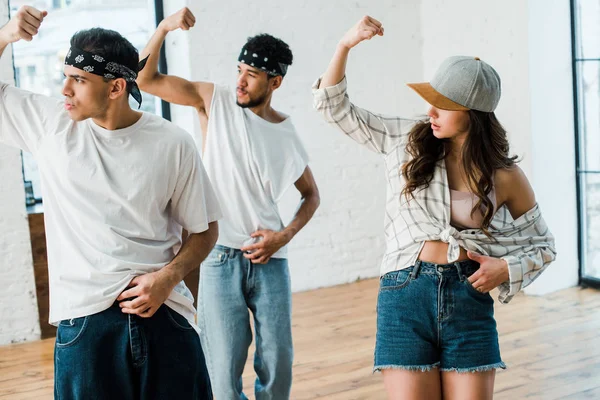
[580, 168]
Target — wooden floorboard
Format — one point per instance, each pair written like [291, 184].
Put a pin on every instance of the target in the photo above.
[551, 345]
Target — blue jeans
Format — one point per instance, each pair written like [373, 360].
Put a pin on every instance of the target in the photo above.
[230, 285]
[429, 316]
[111, 355]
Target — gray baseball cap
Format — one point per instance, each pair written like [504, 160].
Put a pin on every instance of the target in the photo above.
[462, 83]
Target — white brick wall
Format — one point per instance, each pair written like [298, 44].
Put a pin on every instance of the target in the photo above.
[18, 303]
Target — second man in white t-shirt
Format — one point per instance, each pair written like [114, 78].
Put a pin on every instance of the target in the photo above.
[252, 154]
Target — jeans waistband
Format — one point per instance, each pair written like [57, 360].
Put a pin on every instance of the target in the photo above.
[227, 250]
[461, 268]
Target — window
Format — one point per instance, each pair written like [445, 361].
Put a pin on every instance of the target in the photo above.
[39, 63]
[586, 70]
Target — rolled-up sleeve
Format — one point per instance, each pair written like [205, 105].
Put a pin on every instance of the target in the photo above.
[377, 132]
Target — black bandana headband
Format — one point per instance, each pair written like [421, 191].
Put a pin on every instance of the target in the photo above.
[98, 65]
[270, 66]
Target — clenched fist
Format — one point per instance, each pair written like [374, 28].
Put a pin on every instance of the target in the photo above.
[23, 25]
[365, 29]
[182, 19]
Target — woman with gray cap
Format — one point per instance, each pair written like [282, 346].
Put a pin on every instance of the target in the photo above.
[461, 219]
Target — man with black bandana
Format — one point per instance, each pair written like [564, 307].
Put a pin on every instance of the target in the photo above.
[118, 187]
[252, 154]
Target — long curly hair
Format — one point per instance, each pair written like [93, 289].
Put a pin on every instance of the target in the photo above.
[485, 150]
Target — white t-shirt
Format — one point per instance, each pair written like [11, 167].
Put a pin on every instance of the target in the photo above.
[251, 163]
[114, 201]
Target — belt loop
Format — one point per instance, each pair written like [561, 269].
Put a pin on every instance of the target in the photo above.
[416, 269]
[461, 276]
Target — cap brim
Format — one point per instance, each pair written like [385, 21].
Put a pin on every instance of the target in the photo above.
[433, 97]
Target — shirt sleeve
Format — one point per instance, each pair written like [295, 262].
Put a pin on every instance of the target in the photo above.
[25, 117]
[194, 203]
[527, 265]
[378, 133]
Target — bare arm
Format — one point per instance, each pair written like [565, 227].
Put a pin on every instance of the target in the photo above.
[195, 249]
[365, 29]
[146, 293]
[273, 241]
[309, 202]
[172, 88]
[3, 45]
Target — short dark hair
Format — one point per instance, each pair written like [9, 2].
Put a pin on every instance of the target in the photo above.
[270, 46]
[109, 44]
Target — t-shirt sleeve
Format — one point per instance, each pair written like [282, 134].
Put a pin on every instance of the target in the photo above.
[26, 117]
[194, 202]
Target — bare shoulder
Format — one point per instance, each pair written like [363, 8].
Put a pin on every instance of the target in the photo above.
[507, 177]
[514, 190]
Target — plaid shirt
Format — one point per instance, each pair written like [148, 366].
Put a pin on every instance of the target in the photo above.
[525, 244]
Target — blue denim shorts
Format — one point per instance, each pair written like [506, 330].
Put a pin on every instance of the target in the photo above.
[429, 316]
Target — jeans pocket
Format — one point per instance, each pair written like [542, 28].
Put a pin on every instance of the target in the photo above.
[395, 280]
[177, 320]
[217, 257]
[474, 291]
[70, 331]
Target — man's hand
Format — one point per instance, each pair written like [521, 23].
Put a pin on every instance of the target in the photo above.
[146, 293]
[365, 29]
[182, 19]
[491, 273]
[24, 25]
[271, 242]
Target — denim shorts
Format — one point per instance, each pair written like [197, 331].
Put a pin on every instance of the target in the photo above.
[429, 316]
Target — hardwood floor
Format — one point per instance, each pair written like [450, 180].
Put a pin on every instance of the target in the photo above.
[551, 345]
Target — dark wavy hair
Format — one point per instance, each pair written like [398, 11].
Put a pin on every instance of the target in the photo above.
[485, 150]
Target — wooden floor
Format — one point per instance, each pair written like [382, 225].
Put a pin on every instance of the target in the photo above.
[551, 345]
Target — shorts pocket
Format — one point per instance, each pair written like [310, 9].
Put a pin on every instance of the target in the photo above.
[70, 331]
[395, 280]
[476, 292]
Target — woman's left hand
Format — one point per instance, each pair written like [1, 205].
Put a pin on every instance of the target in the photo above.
[491, 273]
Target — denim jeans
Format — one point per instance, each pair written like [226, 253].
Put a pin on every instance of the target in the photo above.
[230, 285]
[111, 355]
[429, 316]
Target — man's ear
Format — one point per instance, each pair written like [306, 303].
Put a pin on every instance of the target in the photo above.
[118, 88]
[276, 82]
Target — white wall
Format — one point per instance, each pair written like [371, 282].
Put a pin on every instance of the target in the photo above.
[495, 31]
[18, 302]
[344, 241]
[553, 136]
